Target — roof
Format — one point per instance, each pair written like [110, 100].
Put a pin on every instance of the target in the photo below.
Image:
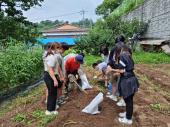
[69, 41]
[152, 42]
[66, 28]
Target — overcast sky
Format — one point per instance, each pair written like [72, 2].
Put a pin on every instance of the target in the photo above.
[55, 9]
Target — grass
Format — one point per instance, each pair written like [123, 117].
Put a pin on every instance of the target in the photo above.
[139, 58]
[42, 118]
[151, 58]
[90, 59]
[37, 116]
[160, 108]
[22, 100]
[126, 7]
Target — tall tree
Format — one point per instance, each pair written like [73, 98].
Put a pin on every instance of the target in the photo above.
[13, 23]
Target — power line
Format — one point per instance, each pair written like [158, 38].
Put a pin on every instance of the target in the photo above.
[63, 15]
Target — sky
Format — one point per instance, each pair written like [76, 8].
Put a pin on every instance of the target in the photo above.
[66, 10]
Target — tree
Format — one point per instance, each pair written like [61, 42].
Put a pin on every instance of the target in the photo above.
[13, 23]
[96, 37]
[105, 31]
[107, 7]
[87, 23]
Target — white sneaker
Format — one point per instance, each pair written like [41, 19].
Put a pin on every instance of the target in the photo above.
[57, 106]
[51, 112]
[108, 93]
[125, 121]
[121, 103]
[55, 112]
[114, 98]
[45, 101]
[123, 114]
[48, 113]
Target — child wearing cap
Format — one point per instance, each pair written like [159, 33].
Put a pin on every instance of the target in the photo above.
[72, 65]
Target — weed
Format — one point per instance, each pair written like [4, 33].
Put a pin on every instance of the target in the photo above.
[19, 118]
[42, 118]
[160, 108]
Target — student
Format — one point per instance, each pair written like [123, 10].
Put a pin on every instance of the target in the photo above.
[128, 84]
[102, 67]
[46, 48]
[72, 65]
[64, 47]
[119, 42]
[51, 78]
[104, 51]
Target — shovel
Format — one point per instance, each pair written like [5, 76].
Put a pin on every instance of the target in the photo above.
[72, 79]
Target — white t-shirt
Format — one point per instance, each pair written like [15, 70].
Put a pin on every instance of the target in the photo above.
[101, 66]
[52, 61]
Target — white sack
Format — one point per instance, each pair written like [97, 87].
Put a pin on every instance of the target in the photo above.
[92, 108]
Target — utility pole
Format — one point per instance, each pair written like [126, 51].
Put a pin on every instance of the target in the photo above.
[82, 12]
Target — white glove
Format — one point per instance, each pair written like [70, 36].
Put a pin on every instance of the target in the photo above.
[95, 77]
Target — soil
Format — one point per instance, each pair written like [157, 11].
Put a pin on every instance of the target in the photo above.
[70, 114]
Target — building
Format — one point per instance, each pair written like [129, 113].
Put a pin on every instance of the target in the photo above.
[65, 33]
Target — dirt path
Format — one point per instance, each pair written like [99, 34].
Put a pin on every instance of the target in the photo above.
[151, 105]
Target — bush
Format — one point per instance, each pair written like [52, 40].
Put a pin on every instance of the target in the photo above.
[105, 31]
[19, 64]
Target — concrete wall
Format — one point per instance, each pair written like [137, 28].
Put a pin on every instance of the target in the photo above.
[157, 14]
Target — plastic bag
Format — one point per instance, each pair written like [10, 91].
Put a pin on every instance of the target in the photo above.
[84, 82]
[92, 108]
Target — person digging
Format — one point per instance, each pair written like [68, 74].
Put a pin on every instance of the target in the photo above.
[72, 65]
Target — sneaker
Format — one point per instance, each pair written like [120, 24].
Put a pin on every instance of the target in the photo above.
[48, 112]
[108, 93]
[45, 101]
[55, 112]
[124, 120]
[123, 114]
[121, 103]
[57, 106]
[114, 98]
[51, 113]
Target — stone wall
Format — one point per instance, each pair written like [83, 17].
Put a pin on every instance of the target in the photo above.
[157, 14]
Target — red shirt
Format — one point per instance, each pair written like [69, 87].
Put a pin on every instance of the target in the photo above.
[71, 65]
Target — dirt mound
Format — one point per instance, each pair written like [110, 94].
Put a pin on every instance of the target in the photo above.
[72, 112]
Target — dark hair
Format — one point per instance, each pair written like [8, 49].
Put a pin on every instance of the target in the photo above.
[82, 54]
[120, 38]
[104, 50]
[52, 47]
[117, 52]
[94, 65]
[99, 61]
[126, 49]
[64, 46]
